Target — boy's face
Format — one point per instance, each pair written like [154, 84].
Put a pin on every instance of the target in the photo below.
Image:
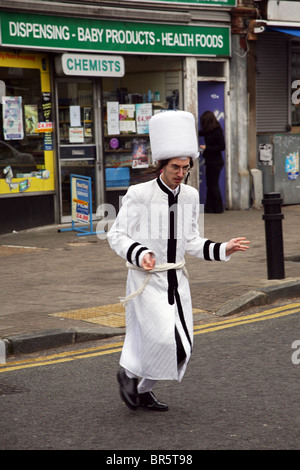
[174, 171]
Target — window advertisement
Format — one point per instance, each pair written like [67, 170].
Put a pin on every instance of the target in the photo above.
[80, 199]
[26, 139]
[59, 33]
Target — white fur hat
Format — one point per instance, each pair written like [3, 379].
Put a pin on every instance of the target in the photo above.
[173, 135]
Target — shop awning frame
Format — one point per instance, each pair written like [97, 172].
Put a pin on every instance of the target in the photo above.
[291, 28]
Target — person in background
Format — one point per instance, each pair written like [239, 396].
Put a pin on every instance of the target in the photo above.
[214, 145]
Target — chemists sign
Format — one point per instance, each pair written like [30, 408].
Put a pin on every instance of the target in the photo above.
[90, 65]
[80, 34]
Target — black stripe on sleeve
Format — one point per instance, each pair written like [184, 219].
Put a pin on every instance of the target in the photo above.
[138, 254]
[206, 250]
[130, 250]
[217, 251]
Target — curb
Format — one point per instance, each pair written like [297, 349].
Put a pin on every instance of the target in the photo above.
[48, 339]
[275, 291]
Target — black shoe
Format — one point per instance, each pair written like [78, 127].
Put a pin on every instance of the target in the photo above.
[149, 400]
[128, 390]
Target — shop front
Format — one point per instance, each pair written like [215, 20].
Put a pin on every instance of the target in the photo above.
[103, 121]
[107, 79]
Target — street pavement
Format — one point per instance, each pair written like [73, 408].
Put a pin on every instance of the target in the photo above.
[58, 288]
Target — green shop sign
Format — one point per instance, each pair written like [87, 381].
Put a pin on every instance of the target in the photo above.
[80, 34]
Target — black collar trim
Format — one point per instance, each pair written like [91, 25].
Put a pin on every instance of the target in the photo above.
[165, 189]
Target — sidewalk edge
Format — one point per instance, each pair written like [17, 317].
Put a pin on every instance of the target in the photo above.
[49, 339]
[264, 295]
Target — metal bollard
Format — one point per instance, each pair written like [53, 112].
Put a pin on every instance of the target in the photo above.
[2, 352]
[273, 230]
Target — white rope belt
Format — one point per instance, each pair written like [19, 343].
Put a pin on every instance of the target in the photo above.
[157, 269]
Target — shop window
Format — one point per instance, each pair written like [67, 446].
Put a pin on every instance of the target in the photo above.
[150, 85]
[75, 107]
[295, 86]
[21, 143]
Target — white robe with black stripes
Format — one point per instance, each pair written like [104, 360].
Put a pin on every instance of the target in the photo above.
[159, 321]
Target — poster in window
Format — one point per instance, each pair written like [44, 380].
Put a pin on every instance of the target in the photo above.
[47, 107]
[12, 118]
[127, 118]
[31, 118]
[75, 120]
[76, 135]
[143, 115]
[113, 118]
[139, 154]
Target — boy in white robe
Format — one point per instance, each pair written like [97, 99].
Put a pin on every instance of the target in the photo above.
[156, 225]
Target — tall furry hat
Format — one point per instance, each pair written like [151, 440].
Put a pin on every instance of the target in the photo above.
[173, 135]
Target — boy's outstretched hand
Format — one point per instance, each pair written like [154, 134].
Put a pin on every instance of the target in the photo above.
[237, 244]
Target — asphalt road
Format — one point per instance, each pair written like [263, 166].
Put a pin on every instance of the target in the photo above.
[240, 392]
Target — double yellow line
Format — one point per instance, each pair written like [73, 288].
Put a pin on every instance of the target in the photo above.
[117, 347]
[255, 317]
[61, 357]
